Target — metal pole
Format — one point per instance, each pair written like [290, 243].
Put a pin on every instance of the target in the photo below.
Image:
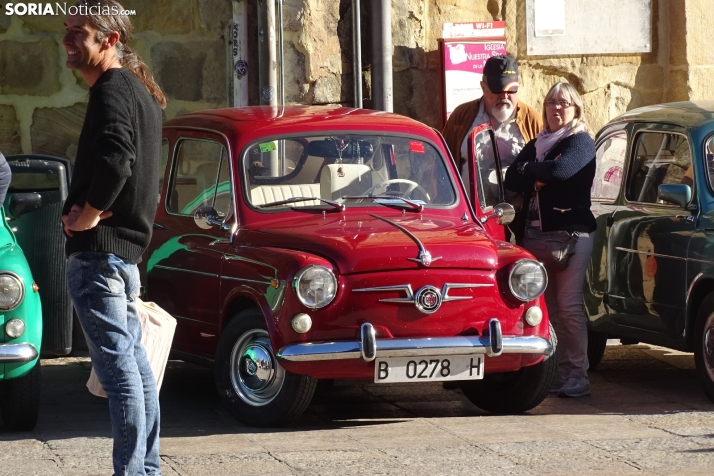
[239, 40]
[281, 52]
[357, 53]
[382, 96]
[267, 74]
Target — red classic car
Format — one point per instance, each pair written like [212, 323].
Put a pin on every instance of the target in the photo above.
[313, 243]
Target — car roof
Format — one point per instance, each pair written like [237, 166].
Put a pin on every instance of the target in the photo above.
[686, 113]
[301, 117]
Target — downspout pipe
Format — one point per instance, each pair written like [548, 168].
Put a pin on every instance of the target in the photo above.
[357, 53]
[382, 85]
[267, 61]
[281, 53]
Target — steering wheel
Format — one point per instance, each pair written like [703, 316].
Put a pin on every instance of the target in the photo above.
[407, 194]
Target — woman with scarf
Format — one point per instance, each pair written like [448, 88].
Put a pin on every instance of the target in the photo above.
[555, 172]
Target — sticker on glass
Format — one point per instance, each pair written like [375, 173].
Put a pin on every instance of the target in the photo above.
[267, 146]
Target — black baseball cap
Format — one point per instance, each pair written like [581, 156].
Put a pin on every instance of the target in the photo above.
[501, 74]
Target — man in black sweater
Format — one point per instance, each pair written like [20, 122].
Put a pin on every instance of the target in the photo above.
[108, 220]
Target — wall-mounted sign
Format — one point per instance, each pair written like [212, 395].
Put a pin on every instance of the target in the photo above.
[462, 59]
[579, 27]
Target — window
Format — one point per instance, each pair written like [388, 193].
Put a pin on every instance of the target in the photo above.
[162, 164]
[195, 175]
[709, 161]
[333, 167]
[661, 158]
[489, 184]
[610, 159]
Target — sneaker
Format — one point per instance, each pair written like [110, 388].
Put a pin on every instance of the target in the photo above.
[557, 384]
[575, 387]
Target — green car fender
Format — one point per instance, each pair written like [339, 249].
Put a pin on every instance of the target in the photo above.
[13, 261]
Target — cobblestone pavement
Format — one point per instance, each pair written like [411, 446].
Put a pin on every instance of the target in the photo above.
[647, 415]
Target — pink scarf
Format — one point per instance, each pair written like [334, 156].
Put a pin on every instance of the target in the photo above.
[546, 140]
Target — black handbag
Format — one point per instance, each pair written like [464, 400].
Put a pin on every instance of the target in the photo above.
[552, 248]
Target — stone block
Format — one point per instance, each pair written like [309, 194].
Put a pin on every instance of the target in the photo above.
[5, 21]
[55, 131]
[417, 95]
[10, 140]
[678, 37]
[679, 89]
[699, 50]
[327, 89]
[215, 72]
[30, 68]
[45, 23]
[215, 15]
[700, 80]
[296, 86]
[168, 17]
[178, 68]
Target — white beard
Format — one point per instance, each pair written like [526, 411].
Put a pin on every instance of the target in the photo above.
[502, 111]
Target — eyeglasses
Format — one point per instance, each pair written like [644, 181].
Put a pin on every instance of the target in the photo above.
[562, 104]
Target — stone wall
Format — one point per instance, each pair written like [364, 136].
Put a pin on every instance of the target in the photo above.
[42, 102]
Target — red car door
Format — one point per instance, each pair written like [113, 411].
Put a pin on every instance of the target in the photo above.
[485, 179]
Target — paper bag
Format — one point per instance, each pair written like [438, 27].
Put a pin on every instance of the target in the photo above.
[157, 332]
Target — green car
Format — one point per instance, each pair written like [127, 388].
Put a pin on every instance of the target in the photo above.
[21, 324]
[651, 275]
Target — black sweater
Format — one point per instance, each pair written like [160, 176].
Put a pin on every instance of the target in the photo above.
[117, 166]
[564, 200]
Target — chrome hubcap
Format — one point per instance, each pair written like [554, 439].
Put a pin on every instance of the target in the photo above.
[708, 345]
[255, 374]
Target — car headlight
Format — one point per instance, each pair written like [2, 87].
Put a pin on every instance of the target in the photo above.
[11, 291]
[527, 279]
[315, 286]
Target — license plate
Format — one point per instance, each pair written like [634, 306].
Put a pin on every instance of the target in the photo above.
[428, 369]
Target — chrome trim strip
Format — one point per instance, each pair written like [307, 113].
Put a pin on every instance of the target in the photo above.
[659, 255]
[429, 346]
[170, 268]
[449, 286]
[17, 353]
[407, 288]
[425, 257]
[246, 280]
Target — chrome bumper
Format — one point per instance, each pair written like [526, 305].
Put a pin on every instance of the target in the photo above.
[368, 347]
[17, 353]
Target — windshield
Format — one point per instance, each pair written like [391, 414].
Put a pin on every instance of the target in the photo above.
[350, 165]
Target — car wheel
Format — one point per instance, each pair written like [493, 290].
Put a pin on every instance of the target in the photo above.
[514, 392]
[21, 401]
[255, 388]
[597, 341]
[704, 345]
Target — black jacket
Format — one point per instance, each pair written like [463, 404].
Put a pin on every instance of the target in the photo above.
[565, 198]
[117, 166]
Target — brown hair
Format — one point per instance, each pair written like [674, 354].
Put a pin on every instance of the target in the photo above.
[107, 20]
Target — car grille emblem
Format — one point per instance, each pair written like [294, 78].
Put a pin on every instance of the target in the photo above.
[427, 299]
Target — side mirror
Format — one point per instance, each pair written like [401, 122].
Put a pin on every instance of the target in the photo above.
[22, 203]
[676, 193]
[503, 211]
[205, 218]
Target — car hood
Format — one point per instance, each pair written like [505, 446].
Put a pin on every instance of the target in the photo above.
[371, 242]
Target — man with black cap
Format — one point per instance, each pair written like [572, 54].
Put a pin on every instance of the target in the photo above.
[514, 123]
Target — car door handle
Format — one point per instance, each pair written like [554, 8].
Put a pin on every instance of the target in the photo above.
[159, 227]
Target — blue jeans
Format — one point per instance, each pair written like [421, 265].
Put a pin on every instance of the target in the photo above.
[103, 288]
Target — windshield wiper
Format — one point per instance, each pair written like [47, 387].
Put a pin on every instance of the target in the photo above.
[414, 205]
[332, 203]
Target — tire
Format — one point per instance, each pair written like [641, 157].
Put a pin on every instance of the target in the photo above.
[21, 401]
[260, 395]
[704, 345]
[597, 341]
[514, 392]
